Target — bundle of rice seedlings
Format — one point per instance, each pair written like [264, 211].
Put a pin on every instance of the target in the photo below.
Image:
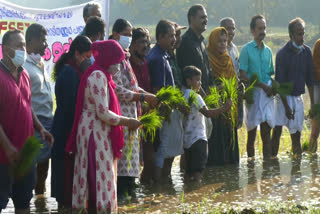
[249, 90]
[213, 98]
[28, 155]
[151, 122]
[192, 100]
[283, 89]
[305, 146]
[231, 89]
[174, 99]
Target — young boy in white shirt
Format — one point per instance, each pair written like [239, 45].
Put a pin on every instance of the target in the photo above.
[195, 136]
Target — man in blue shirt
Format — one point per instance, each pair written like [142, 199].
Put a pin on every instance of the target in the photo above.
[158, 57]
[293, 65]
[161, 75]
[256, 58]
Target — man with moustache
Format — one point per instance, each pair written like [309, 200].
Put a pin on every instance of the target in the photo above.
[229, 24]
[41, 95]
[17, 122]
[138, 51]
[192, 50]
[293, 65]
[171, 142]
[256, 59]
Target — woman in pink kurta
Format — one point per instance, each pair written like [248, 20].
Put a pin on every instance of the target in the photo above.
[97, 135]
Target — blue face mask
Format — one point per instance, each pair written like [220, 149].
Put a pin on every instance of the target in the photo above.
[297, 46]
[92, 59]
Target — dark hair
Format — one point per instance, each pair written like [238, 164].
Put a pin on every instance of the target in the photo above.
[163, 27]
[87, 10]
[94, 26]
[35, 31]
[293, 24]
[193, 11]
[138, 33]
[224, 21]
[81, 44]
[6, 39]
[120, 25]
[254, 20]
[189, 72]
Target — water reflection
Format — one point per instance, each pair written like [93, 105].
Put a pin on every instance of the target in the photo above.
[244, 185]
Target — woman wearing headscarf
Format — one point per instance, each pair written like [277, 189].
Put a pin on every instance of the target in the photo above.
[130, 97]
[223, 147]
[97, 135]
[67, 73]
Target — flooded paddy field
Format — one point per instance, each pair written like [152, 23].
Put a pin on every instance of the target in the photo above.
[284, 185]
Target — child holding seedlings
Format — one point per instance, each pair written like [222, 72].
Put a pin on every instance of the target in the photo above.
[195, 137]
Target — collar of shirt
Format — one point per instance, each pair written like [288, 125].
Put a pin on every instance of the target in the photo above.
[193, 35]
[256, 45]
[295, 50]
[40, 66]
[5, 67]
[162, 52]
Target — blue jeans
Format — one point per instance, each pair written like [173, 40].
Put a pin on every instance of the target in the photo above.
[45, 152]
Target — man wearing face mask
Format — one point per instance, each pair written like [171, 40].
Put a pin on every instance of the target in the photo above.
[41, 94]
[256, 59]
[293, 65]
[17, 122]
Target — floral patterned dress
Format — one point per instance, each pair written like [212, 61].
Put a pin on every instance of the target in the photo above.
[94, 127]
[127, 85]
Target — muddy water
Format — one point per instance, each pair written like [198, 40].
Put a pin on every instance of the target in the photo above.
[249, 184]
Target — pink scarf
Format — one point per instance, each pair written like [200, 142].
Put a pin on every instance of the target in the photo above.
[105, 53]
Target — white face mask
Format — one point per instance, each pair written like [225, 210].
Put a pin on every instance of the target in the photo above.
[125, 41]
[19, 58]
[36, 58]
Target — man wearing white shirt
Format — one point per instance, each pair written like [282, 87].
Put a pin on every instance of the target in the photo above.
[41, 95]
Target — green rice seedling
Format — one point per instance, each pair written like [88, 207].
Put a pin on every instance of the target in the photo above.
[192, 98]
[171, 96]
[305, 146]
[231, 92]
[174, 99]
[151, 122]
[28, 155]
[283, 89]
[249, 90]
[213, 99]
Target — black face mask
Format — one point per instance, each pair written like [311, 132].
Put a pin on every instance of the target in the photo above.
[84, 65]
